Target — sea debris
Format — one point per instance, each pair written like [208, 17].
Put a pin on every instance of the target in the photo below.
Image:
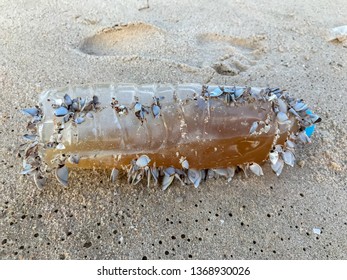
[160, 133]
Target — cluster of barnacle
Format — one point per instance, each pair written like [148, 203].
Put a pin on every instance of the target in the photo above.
[139, 109]
[229, 94]
[140, 169]
[280, 155]
[75, 110]
[306, 120]
[283, 105]
[120, 109]
[32, 162]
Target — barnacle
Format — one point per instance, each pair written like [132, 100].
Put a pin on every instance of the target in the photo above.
[191, 132]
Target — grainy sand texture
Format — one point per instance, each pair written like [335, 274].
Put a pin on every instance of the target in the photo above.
[301, 214]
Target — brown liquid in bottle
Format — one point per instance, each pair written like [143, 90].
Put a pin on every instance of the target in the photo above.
[208, 133]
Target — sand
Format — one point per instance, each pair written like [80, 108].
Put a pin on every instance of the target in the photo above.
[45, 44]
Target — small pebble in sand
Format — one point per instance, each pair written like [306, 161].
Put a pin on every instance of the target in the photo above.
[179, 199]
[317, 230]
[301, 163]
[121, 239]
[335, 166]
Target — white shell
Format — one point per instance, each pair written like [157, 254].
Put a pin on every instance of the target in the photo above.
[231, 173]
[194, 176]
[278, 167]
[39, 181]
[62, 175]
[185, 164]
[74, 159]
[290, 144]
[273, 157]
[282, 106]
[30, 111]
[302, 136]
[60, 146]
[289, 158]
[282, 118]
[138, 107]
[167, 180]
[114, 175]
[216, 92]
[300, 106]
[253, 128]
[256, 169]
[142, 161]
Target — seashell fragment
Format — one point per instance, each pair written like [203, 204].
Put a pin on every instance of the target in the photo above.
[274, 156]
[253, 128]
[278, 167]
[195, 177]
[283, 107]
[184, 163]
[303, 137]
[289, 144]
[169, 176]
[231, 173]
[90, 115]
[30, 137]
[74, 159]
[137, 107]
[216, 92]
[167, 180]
[256, 169]
[30, 111]
[62, 174]
[156, 110]
[61, 112]
[314, 118]
[190, 132]
[155, 174]
[143, 161]
[227, 173]
[67, 100]
[60, 146]
[282, 118]
[39, 181]
[221, 172]
[114, 175]
[28, 169]
[79, 120]
[288, 158]
[300, 106]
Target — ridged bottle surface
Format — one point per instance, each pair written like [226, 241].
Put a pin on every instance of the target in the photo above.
[209, 133]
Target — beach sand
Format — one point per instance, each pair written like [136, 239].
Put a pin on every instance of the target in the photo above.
[47, 44]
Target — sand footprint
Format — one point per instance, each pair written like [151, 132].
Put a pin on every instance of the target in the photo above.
[230, 55]
[123, 40]
[227, 55]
